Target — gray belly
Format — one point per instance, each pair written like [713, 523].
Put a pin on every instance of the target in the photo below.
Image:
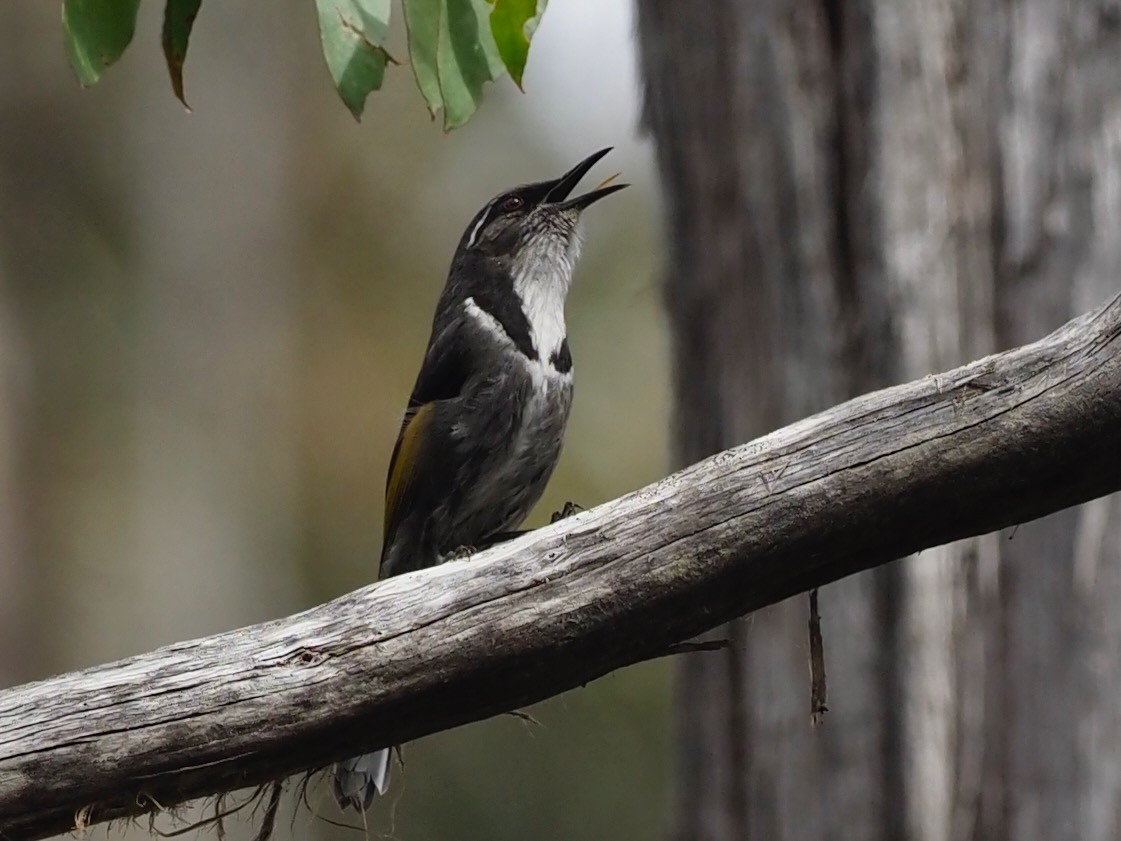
[521, 415]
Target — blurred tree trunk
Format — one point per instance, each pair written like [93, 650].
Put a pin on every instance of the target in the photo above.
[18, 642]
[862, 192]
[216, 335]
[15, 569]
[29, 235]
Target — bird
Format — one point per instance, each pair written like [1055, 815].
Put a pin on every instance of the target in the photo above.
[483, 427]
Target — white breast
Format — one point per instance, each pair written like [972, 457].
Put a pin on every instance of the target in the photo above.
[542, 276]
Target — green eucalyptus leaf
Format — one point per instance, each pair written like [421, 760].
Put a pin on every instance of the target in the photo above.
[178, 19]
[352, 33]
[97, 33]
[453, 54]
[422, 25]
[513, 22]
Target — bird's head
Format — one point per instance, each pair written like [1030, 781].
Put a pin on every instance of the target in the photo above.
[534, 221]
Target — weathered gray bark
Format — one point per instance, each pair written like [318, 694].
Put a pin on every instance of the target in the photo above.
[861, 192]
[963, 453]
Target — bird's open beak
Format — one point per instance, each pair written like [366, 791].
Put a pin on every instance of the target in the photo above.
[561, 189]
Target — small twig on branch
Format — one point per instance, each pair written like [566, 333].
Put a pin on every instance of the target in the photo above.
[524, 717]
[706, 645]
[269, 821]
[818, 690]
[216, 820]
[688, 647]
[694, 647]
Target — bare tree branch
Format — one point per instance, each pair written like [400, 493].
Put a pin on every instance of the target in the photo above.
[1006, 439]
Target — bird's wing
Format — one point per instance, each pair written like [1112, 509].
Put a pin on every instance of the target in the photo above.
[442, 376]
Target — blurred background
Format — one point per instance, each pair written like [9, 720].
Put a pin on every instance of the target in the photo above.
[209, 326]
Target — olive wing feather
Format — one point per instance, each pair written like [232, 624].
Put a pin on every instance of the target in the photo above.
[445, 371]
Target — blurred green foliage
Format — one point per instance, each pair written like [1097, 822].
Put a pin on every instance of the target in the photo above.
[209, 325]
[513, 23]
[178, 20]
[455, 46]
[97, 32]
[453, 54]
[352, 32]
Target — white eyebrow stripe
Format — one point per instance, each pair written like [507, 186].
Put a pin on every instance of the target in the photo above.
[478, 226]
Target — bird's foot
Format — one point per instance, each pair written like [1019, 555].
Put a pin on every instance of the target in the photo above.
[460, 553]
[567, 511]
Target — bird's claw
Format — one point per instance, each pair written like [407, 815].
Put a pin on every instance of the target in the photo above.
[460, 553]
[567, 511]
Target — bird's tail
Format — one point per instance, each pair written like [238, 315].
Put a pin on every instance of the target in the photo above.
[359, 779]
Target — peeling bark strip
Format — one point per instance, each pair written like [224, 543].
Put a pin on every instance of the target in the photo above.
[818, 689]
[1003, 440]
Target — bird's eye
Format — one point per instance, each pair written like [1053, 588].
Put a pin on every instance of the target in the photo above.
[513, 203]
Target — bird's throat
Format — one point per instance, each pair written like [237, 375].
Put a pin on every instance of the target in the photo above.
[542, 277]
